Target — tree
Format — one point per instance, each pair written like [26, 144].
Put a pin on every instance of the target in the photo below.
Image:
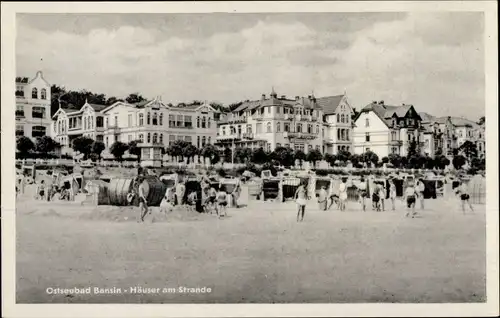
[134, 98]
[369, 157]
[46, 144]
[209, 151]
[133, 149]
[176, 149]
[83, 145]
[395, 160]
[458, 161]
[228, 154]
[412, 149]
[283, 155]
[111, 100]
[385, 160]
[189, 152]
[469, 150]
[300, 156]
[259, 156]
[343, 156]
[118, 148]
[313, 156]
[98, 148]
[330, 159]
[481, 121]
[441, 161]
[243, 155]
[24, 145]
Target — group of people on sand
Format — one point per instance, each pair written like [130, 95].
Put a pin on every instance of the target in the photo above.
[212, 200]
[46, 191]
[413, 191]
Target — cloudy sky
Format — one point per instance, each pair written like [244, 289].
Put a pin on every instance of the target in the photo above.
[434, 61]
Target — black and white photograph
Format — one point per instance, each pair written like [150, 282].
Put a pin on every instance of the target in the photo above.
[209, 157]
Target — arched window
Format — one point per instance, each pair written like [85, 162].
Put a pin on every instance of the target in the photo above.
[203, 122]
[161, 119]
[161, 137]
[141, 119]
[278, 127]
[44, 93]
[149, 119]
[299, 128]
[268, 127]
[34, 93]
[155, 119]
[155, 138]
[141, 137]
[309, 129]
[149, 138]
[338, 118]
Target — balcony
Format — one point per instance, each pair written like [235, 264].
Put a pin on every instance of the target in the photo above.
[299, 135]
[183, 127]
[114, 128]
[229, 137]
[288, 116]
[237, 120]
[38, 115]
[247, 136]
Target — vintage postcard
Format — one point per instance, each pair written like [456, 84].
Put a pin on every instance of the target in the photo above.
[249, 159]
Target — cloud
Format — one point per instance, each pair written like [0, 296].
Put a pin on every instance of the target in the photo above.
[434, 61]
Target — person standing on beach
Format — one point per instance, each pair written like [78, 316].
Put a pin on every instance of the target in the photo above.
[300, 198]
[420, 192]
[180, 190]
[392, 194]
[362, 193]
[323, 199]
[463, 192]
[143, 202]
[410, 195]
[381, 194]
[343, 195]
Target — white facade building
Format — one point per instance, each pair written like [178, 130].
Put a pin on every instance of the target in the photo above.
[302, 123]
[385, 129]
[32, 107]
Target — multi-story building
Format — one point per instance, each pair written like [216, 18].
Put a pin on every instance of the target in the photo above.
[69, 124]
[385, 129]
[32, 106]
[153, 122]
[302, 123]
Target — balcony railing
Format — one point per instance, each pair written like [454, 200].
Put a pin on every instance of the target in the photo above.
[299, 135]
[229, 137]
[247, 136]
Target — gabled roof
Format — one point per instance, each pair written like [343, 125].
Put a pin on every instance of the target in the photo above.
[329, 104]
[65, 110]
[426, 117]
[386, 112]
[97, 107]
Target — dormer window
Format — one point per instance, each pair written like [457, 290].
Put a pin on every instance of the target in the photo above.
[44, 93]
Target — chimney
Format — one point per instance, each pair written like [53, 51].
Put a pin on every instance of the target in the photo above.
[263, 96]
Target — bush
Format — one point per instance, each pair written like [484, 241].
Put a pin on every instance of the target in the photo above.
[221, 172]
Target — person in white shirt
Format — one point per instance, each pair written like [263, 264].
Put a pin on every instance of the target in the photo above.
[180, 190]
[343, 195]
[382, 192]
[363, 194]
[420, 192]
[392, 194]
[143, 202]
[300, 197]
[463, 191]
[410, 196]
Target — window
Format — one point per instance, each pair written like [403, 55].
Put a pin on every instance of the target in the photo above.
[161, 139]
[198, 142]
[258, 128]
[299, 128]
[91, 120]
[203, 141]
[367, 137]
[394, 150]
[155, 119]
[278, 145]
[342, 118]
[323, 132]
[107, 141]
[249, 129]
[318, 148]
[129, 139]
[367, 122]
[188, 121]
[141, 138]
[116, 121]
[148, 120]
[19, 111]
[171, 139]
[43, 93]
[180, 121]
[208, 123]
[19, 130]
[347, 134]
[268, 145]
[171, 120]
[149, 138]
[223, 130]
[198, 122]
[141, 119]
[189, 139]
[161, 119]
[85, 123]
[338, 134]
[130, 120]
[309, 129]
[287, 145]
[338, 118]
[38, 112]
[347, 119]
[38, 131]
[317, 129]
[203, 122]
[34, 93]
[155, 138]
[268, 129]
[278, 127]
[286, 127]
[393, 135]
